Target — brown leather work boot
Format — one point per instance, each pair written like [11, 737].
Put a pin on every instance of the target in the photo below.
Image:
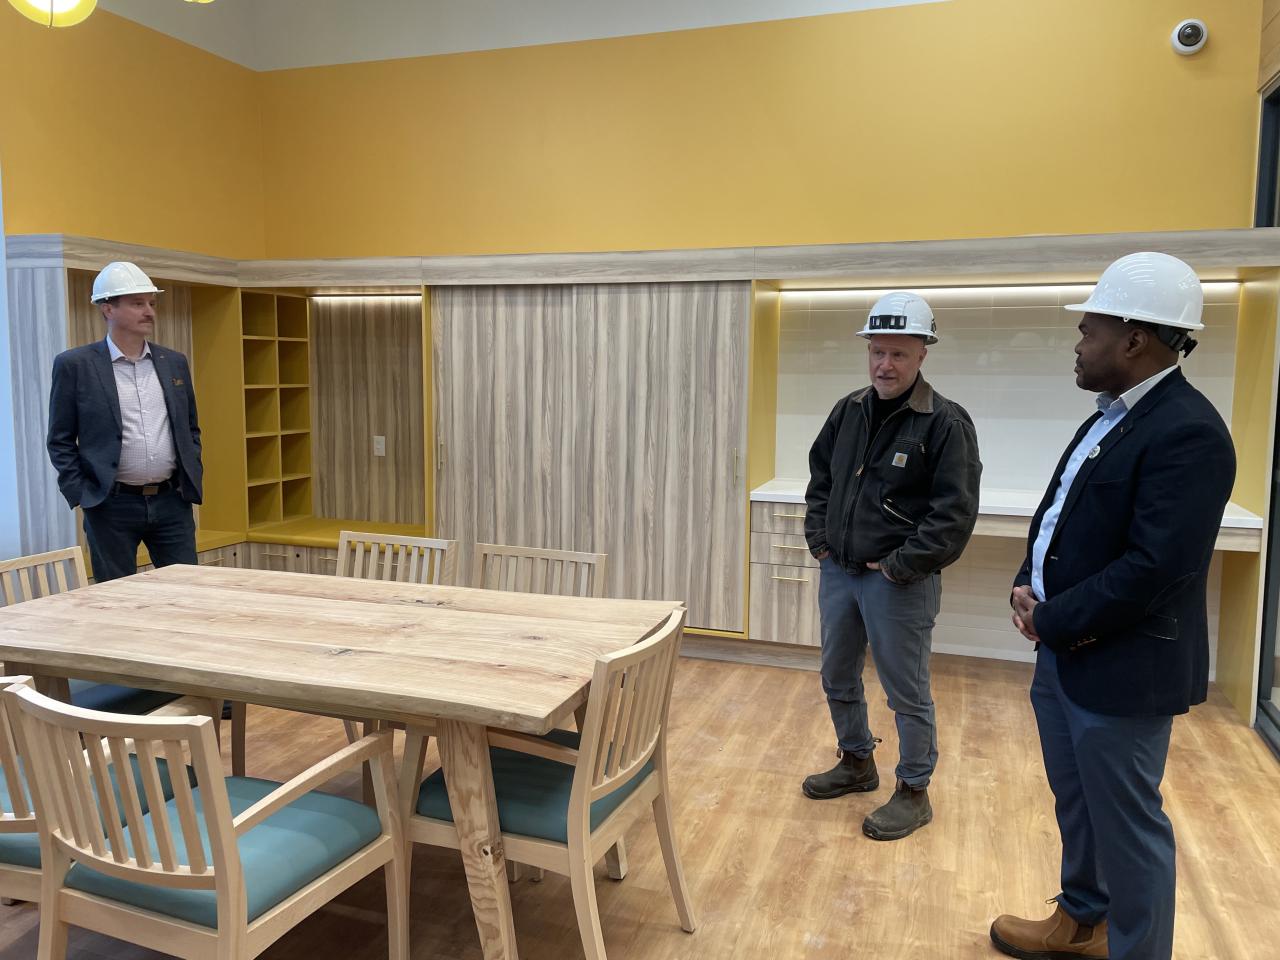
[1057, 938]
[850, 775]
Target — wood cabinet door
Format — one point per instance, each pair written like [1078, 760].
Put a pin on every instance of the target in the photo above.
[607, 418]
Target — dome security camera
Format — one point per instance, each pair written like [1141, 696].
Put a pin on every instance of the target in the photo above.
[1189, 37]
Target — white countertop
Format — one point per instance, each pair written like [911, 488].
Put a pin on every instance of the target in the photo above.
[992, 502]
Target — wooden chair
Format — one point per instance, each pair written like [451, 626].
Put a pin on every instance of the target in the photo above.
[19, 842]
[564, 573]
[44, 574]
[563, 800]
[221, 870]
[373, 556]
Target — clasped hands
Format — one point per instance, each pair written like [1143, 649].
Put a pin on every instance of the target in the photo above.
[1024, 605]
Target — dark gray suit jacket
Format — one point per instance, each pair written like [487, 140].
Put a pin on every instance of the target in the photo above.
[85, 429]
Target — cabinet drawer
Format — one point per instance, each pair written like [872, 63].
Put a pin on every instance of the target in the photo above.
[777, 517]
[279, 556]
[784, 604]
[228, 557]
[786, 548]
[324, 560]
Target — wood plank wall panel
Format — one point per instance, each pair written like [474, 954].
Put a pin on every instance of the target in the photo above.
[1269, 59]
[366, 380]
[173, 315]
[608, 418]
[35, 296]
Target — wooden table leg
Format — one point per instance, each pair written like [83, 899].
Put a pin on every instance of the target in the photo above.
[464, 755]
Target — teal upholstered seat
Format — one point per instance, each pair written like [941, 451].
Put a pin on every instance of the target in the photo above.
[533, 792]
[23, 849]
[112, 698]
[279, 856]
[18, 849]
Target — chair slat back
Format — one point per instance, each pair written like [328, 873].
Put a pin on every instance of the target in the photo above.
[372, 556]
[92, 772]
[18, 815]
[627, 709]
[563, 573]
[41, 575]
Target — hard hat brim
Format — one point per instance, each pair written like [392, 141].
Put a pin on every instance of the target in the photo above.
[1086, 307]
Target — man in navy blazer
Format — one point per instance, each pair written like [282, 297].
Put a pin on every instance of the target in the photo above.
[123, 433]
[1113, 594]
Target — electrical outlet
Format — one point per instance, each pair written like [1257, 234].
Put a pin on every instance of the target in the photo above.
[379, 446]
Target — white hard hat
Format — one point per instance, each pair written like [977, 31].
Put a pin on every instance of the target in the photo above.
[1153, 287]
[901, 312]
[120, 278]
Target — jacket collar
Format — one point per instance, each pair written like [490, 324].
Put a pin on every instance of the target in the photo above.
[920, 401]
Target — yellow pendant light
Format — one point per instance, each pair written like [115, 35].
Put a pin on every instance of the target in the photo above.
[199, 1]
[55, 13]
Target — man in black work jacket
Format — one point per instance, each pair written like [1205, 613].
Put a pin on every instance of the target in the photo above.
[1113, 593]
[892, 499]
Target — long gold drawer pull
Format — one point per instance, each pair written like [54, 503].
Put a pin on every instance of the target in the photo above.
[327, 559]
[791, 579]
[789, 546]
[788, 516]
[215, 562]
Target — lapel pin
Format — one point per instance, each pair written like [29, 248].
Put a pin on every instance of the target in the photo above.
[178, 381]
[1094, 452]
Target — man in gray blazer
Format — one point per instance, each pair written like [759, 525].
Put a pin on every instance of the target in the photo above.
[123, 433]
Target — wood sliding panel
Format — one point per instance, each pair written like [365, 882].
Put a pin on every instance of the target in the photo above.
[366, 381]
[1269, 59]
[38, 332]
[173, 315]
[604, 418]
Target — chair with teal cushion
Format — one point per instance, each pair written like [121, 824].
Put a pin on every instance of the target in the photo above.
[45, 574]
[564, 799]
[222, 867]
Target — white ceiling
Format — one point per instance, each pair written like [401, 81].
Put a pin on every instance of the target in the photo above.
[279, 34]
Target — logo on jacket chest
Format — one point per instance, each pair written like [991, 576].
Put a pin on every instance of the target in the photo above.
[899, 459]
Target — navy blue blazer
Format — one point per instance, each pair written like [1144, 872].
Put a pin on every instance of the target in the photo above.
[1125, 572]
[85, 429]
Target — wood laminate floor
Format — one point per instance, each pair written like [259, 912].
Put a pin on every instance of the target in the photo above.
[777, 876]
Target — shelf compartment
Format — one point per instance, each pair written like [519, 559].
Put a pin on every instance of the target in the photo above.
[291, 317]
[294, 365]
[258, 314]
[265, 504]
[261, 412]
[259, 363]
[296, 497]
[295, 408]
[295, 453]
[262, 458]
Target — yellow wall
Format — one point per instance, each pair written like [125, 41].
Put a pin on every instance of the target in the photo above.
[961, 119]
[111, 130]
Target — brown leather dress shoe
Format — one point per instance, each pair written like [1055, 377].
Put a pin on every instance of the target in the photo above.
[1057, 938]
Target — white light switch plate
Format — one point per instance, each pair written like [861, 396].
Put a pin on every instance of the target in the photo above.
[379, 446]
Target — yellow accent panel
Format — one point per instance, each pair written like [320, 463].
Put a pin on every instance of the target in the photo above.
[1253, 401]
[113, 130]
[215, 329]
[965, 119]
[1237, 667]
[324, 531]
[1252, 430]
[428, 413]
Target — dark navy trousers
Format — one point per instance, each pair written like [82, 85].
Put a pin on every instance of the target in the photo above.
[1117, 843]
[115, 527]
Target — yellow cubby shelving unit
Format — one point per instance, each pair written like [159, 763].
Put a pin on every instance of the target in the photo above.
[275, 346]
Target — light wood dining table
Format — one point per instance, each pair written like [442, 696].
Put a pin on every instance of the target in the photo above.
[464, 659]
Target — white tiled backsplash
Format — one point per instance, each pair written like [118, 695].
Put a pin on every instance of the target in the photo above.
[1004, 354]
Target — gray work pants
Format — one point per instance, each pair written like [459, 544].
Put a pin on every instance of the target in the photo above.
[897, 620]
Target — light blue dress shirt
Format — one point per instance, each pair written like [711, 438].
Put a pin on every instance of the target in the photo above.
[1113, 410]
